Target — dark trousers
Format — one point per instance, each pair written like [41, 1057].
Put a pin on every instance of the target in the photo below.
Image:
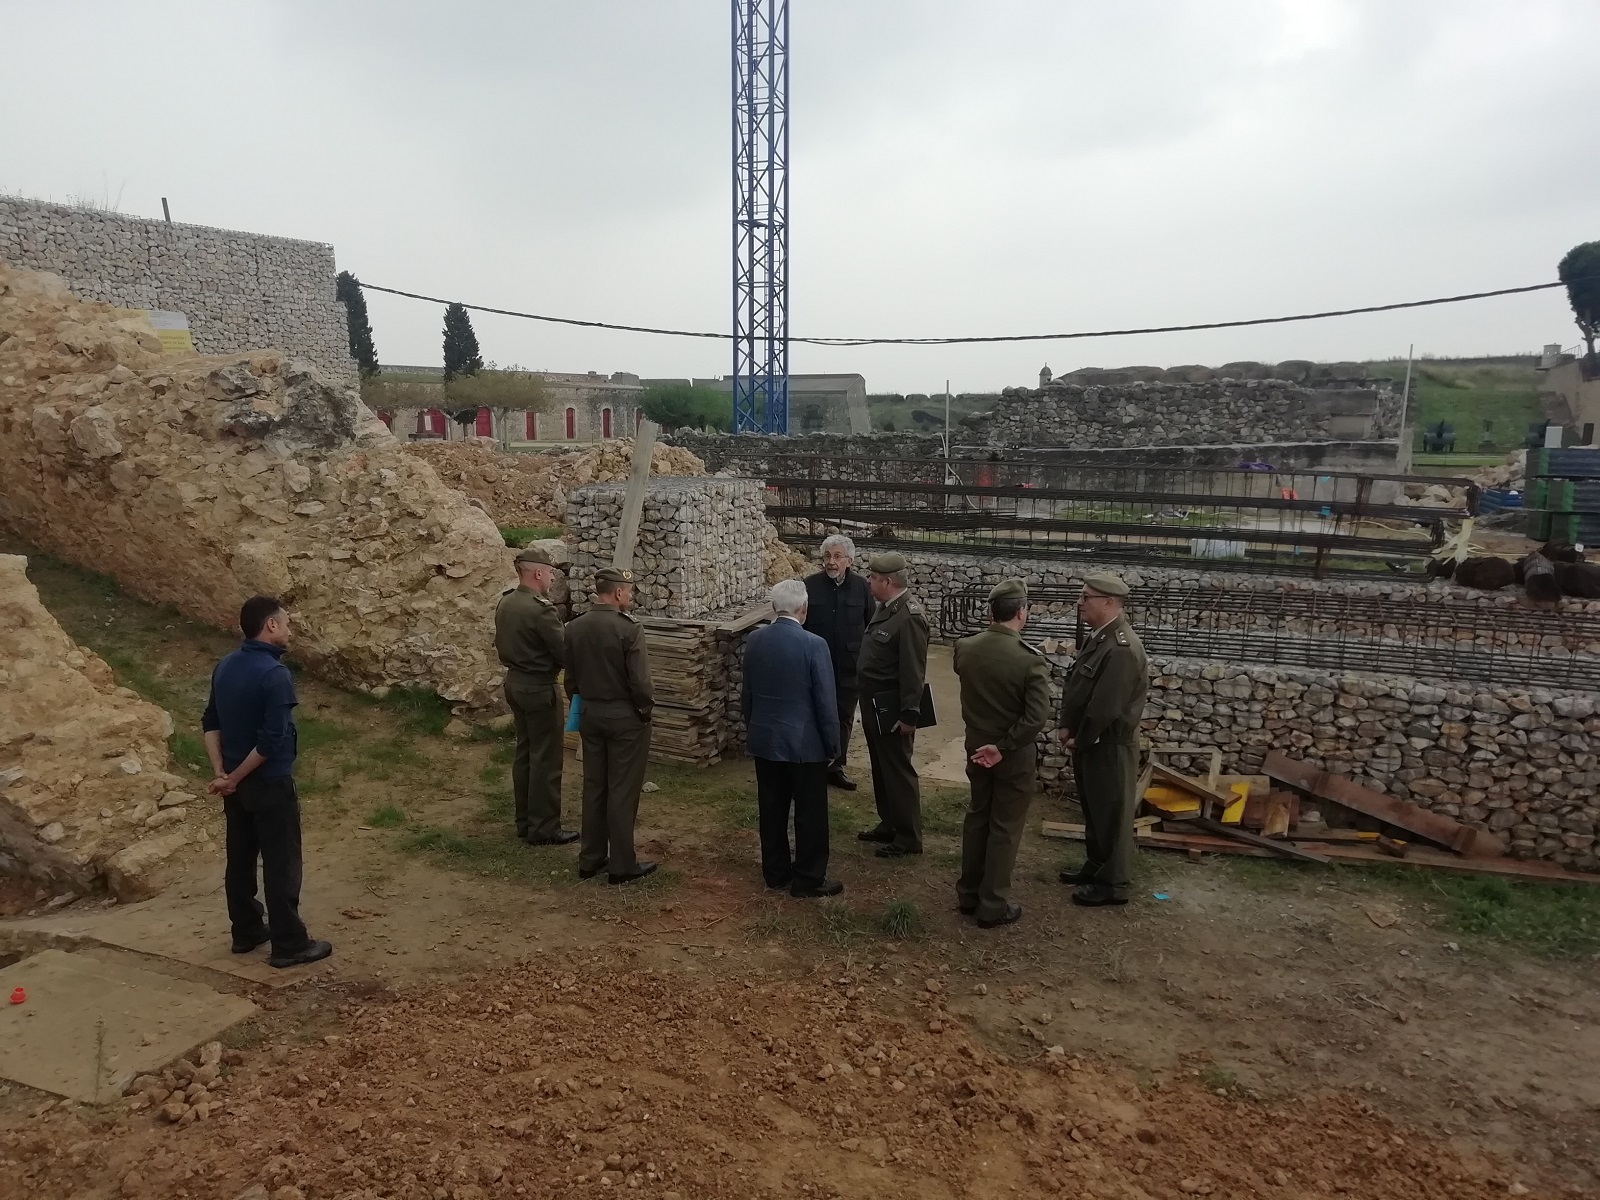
[1108, 776]
[896, 790]
[801, 788]
[991, 833]
[263, 822]
[846, 698]
[616, 754]
[536, 770]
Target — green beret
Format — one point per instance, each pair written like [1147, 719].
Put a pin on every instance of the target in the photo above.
[1009, 589]
[1105, 585]
[533, 554]
[887, 563]
[613, 575]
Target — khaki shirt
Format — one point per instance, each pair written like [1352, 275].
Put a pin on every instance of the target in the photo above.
[528, 635]
[1005, 689]
[1103, 697]
[606, 659]
[894, 655]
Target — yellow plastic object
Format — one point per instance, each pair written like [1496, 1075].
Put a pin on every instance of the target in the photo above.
[1234, 813]
[1171, 799]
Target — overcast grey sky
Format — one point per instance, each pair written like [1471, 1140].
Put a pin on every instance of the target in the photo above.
[958, 166]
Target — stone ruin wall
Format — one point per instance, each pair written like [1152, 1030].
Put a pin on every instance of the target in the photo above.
[198, 481]
[701, 549]
[1521, 763]
[240, 291]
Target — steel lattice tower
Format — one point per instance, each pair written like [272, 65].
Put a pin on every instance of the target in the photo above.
[761, 216]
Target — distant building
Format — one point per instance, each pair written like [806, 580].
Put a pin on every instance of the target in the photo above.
[1566, 396]
[580, 407]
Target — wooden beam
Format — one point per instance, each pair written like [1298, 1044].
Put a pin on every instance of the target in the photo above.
[644, 445]
[1276, 845]
[1436, 827]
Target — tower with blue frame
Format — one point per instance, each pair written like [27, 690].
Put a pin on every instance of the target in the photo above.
[761, 216]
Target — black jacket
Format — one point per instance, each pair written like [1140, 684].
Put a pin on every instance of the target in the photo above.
[838, 613]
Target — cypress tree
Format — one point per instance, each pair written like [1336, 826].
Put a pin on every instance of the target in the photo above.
[348, 290]
[461, 356]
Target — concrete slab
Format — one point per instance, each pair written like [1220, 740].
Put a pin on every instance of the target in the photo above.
[185, 923]
[88, 1026]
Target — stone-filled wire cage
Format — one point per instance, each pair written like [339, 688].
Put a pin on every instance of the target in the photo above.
[699, 549]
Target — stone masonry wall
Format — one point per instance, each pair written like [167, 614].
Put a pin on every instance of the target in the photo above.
[702, 543]
[1524, 764]
[197, 482]
[240, 291]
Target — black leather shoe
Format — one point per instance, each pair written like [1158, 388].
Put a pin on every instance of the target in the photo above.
[1090, 897]
[314, 952]
[582, 874]
[893, 851]
[565, 838]
[244, 947]
[875, 835]
[639, 872]
[1075, 878]
[828, 887]
[1011, 916]
[841, 781]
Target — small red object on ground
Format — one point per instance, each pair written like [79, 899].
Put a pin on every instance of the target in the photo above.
[18, 995]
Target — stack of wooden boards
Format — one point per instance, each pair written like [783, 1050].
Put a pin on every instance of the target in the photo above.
[1563, 495]
[1298, 811]
[695, 667]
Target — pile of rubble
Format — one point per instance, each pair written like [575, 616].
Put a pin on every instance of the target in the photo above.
[85, 796]
[531, 489]
[197, 481]
[1508, 474]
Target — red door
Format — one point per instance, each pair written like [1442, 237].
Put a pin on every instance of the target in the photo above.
[485, 423]
[572, 423]
[386, 417]
[530, 426]
[605, 422]
[435, 422]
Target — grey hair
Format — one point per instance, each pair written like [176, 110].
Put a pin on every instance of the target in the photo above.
[789, 597]
[839, 540]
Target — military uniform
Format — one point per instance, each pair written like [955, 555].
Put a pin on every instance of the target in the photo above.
[532, 645]
[1005, 703]
[1102, 703]
[894, 658]
[608, 668]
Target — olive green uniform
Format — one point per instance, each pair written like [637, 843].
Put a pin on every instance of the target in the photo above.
[894, 658]
[1005, 703]
[607, 666]
[532, 645]
[1101, 706]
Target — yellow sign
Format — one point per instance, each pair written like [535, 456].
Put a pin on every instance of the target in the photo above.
[171, 327]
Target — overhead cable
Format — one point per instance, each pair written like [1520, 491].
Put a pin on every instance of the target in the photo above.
[1005, 337]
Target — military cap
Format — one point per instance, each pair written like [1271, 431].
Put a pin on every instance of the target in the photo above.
[534, 554]
[613, 575]
[1009, 589]
[887, 563]
[1105, 585]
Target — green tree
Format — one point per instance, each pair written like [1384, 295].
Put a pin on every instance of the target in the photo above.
[348, 289]
[461, 355]
[1580, 271]
[683, 406]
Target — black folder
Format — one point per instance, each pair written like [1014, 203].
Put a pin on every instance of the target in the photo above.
[886, 710]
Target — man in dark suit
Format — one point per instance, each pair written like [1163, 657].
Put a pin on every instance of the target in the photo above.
[792, 725]
[838, 607]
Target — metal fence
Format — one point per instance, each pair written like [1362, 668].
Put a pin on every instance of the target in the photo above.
[1425, 638]
[1315, 522]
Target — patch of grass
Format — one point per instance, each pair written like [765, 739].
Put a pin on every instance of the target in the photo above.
[315, 733]
[492, 775]
[943, 810]
[418, 710]
[497, 855]
[841, 925]
[1488, 403]
[504, 754]
[1217, 1078]
[387, 817]
[518, 536]
[245, 1036]
[133, 672]
[900, 920]
[1548, 919]
[499, 806]
[190, 751]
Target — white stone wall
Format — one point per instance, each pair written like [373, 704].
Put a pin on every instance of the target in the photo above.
[240, 291]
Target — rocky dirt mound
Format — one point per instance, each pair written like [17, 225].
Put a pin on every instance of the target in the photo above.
[531, 489]
[84, 791]
[566, 1080]
[197, 481]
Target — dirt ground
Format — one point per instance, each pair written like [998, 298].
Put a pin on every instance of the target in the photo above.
[490, 1026]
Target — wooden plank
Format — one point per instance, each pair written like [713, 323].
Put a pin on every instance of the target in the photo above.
[1451, 834]
[644, 444]
[1279, 816]
[1204, 790]
[1285, 848]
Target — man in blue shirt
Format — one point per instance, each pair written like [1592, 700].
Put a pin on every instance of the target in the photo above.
[250, 738]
